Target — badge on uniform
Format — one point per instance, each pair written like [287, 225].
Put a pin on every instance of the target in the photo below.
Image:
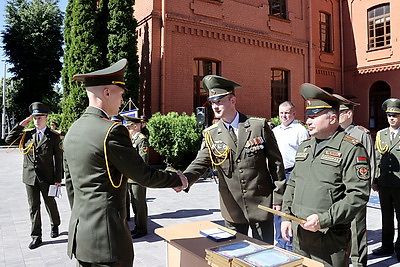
[254, 145]
[362, 168]
[332, 156]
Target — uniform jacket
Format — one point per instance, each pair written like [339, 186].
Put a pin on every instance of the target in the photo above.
[387, 161]
[253, 173]
[141, 144]
[364, 136]
[98, 230]
[44, 160]
[332, 182]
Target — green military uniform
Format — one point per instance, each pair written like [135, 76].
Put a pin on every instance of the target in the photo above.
[138, 192]
[42, 168]
[359, 246]
[330, 179]
[388, 180]
[99, 154]
[245, 178]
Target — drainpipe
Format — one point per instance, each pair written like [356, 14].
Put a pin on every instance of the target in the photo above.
[162, 54]
[341, 47]
[310, 45]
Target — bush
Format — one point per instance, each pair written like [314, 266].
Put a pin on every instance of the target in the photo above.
[176, 137]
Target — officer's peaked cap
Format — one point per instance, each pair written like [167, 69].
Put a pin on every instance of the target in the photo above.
[38, 109]
[111, 75]
[318, 99]
[347, 104]
[391, 106]
[217, 87]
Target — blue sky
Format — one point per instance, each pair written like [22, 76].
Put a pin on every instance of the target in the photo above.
[62, 4]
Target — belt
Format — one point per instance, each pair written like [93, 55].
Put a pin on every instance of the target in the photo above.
[289, 169]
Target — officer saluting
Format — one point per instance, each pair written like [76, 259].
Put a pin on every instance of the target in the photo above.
[329, 184]
[42, 152]
[99, 155]
[250, 169]
[388, 177]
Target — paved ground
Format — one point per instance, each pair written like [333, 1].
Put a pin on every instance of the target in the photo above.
[165, 208]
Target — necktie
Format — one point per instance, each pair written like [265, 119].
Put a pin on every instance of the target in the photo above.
[232, 133]
[392, 135]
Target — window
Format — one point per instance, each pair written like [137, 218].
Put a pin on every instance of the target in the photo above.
[378, 93]
[279, 89]
[325, 32]
[379, 26]
[277, 8]
[201, 68]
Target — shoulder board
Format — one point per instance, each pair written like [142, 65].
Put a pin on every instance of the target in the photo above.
[211, 127]
[28, 130]
[308, 139]
[257, 118]
[106, 119]
[362, 128]
[350, 139]
[54, 131]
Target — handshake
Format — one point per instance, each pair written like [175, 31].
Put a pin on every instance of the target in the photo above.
[184, 180]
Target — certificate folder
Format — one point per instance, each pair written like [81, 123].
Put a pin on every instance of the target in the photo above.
[272, 257]
[217, 234]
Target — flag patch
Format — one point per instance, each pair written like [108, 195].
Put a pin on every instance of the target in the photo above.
[362, 160]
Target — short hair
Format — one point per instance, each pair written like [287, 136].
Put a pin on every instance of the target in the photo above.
[55, 123]
[287, 104]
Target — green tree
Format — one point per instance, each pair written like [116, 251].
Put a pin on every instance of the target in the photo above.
[33, 45]
[97, 34]
[176, 137]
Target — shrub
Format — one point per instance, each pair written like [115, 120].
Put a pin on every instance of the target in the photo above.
[176, 137]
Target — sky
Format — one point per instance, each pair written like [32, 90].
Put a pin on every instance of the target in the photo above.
[62, 5]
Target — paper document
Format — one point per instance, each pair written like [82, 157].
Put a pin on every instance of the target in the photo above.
[54, 191]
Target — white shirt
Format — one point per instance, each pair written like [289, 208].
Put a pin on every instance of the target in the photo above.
[234, 124]
[40, 133]
[289, 139]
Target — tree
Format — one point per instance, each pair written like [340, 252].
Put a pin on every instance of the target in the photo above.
[176, 137]
[33, 45]
[97, 34]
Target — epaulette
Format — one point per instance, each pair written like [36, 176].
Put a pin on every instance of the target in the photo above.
[28, 130]
[211, 127]
[352, 140]
[363, 129]
[257, 118]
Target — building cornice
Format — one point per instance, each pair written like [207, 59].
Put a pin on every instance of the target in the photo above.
[234, 33]
[379, 68]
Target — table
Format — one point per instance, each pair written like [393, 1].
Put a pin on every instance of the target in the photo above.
[186, 246]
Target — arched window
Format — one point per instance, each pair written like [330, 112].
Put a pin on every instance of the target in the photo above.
[378, 93]
[379, 26]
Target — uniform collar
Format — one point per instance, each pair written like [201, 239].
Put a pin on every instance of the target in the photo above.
[234, 123]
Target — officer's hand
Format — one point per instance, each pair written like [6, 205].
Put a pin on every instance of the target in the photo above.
[277, 207]
[286, 230]
[25, 122]
[312, 223]
[375, 187]
[184, 180]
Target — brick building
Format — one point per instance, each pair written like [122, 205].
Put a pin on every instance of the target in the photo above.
[270, 47]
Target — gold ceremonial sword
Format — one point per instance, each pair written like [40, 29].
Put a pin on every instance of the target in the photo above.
[282, 214]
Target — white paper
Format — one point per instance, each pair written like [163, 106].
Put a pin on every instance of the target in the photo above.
[54, 191]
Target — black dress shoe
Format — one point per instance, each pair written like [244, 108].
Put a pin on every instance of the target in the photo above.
[54, 232]
[35, 243]
[134, 231]
[397, 254]
[382, 251]
[138, 235]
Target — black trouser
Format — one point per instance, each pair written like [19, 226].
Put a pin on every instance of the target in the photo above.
[33, 192]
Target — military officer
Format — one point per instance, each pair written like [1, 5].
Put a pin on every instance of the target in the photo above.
[136, 191]
[328, 185]
[99, 154]
[250, 169]
[387, 145]
[358, 244]
[42, 152]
